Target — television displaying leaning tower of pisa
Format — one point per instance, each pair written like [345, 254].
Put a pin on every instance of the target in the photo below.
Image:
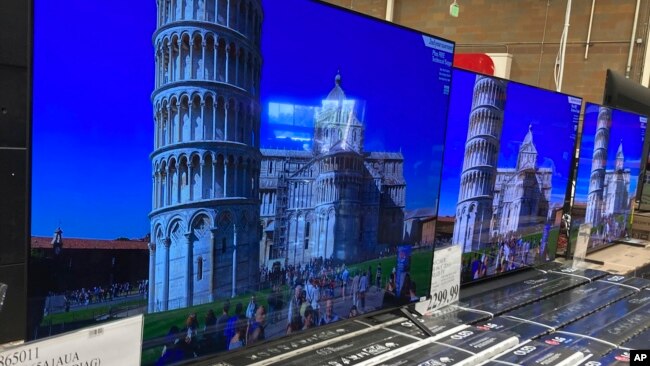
[507, 165]
[261, 148]
[243, 184]
[608, 173]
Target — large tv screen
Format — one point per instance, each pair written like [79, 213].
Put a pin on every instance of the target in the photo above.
[508, 154]
[611, 151]
[206, 161]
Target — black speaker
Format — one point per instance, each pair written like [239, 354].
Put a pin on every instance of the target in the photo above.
[12, 206]
[13, 106]
[14, 309]
[14, 32]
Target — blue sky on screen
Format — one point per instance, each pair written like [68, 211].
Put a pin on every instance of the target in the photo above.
[92, 113]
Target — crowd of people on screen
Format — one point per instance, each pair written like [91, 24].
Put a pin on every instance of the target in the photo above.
[503, 255]
[300, 298]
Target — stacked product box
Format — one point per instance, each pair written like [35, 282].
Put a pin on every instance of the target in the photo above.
[538, 353]
[400, 339]
[298, 343]
[587, 345]
[603, 331]
[316, 338]
[431, 354]
[467, 347]
[618, 322]
[632, 282]
[450, 317]
[353, 351]
[524, 330]
[566, 307]
[482, 343]
[540, 318]
[614, 358]
[513, 296]
[639, 341]
[588, 273]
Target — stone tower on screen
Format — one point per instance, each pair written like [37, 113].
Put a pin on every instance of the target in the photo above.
[598, 166]
[206, 157]
[474, 207]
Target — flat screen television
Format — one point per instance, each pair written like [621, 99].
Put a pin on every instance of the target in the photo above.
[508, 154]
[623, 93]
[608, 173]
[253, 157]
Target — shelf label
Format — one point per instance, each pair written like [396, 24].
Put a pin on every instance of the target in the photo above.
[582, 243]
[445, 280]
[114, 343]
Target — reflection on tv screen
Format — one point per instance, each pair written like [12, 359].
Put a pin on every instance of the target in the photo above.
[608, 174]
[508, 154]
[284, 173]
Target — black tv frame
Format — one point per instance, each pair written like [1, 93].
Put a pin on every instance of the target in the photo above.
[623, 93]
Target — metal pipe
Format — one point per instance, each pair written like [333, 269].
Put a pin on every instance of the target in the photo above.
[541, 49]
[390, 10]
[632, 38]
[591, 20]
[532, 43]
[645, 77]
[565, 36]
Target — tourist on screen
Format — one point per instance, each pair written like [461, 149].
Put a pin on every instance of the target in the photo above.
[345, 276]
[294, 325]
[256, 326]
[363, 287]
[329, 316]
[378, 277]
[220, 327]
[308, 318]
[234, 322]
[294, 304]
[239, 336]
[353, 312]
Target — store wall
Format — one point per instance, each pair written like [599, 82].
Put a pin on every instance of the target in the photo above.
[530, 30]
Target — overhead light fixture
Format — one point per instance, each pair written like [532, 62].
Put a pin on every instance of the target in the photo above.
[454, 9]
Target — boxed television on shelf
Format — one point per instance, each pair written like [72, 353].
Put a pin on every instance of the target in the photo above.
[614, 358]
[288, 176]
[568, 306]
[512, 295]
[608, 174]
[537, 353]
[639, 341]
[616, 323]
[508, 155]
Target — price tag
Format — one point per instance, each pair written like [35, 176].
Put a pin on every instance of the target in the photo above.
[114, 343]
[582, 243]
[445, 280]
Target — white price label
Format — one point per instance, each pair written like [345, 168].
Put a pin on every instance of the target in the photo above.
[114, 343]
[582, 243]
[445, 280]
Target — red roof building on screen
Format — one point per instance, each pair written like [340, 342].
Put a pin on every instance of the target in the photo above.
[74, 263]
[42, 242]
